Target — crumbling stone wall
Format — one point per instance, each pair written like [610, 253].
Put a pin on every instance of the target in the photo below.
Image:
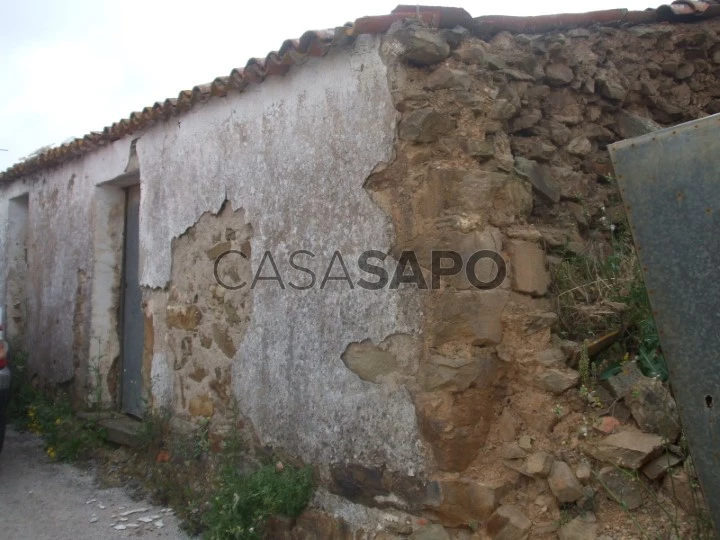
[502, 146]
[293, 153]
[198, 321]
[436, 404]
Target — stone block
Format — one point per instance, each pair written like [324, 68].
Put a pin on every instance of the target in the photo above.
[563, 483]
[473, 317]
[539, 177]
[660, 465]
[425, 125]
[578, 529]
[459, 371]
[555, 380]
[445, 78]
[529, 268]
[621, 487]
[508, 523]
[558, 74]
[463, 501]
[629, 449]
[653, 408]
[422, 46]
[620, 384]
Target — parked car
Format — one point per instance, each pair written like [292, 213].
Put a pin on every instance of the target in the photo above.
[4, 379]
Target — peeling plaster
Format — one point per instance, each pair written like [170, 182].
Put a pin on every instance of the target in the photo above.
[59, 250]
[294, 153]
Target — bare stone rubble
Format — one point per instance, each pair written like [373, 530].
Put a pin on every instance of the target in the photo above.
[508, 523]
[621, 486]
[630, 449]
[578, 529]
[563, 483]
[653, 408]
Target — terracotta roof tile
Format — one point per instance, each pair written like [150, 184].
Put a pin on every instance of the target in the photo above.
[318, 43]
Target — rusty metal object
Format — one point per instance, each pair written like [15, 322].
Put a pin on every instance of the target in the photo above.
[669, 184]
[598, 345]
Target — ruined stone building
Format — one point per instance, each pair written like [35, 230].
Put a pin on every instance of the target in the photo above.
[131, 255]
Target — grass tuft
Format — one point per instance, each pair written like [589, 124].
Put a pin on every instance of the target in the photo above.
[65, 437]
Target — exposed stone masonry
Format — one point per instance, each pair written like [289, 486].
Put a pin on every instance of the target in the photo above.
[201, 322]
[502, 145]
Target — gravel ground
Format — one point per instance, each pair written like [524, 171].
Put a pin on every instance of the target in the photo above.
[44, 500]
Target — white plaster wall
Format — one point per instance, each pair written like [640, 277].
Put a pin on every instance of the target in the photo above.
[294, 153]
[60, 243]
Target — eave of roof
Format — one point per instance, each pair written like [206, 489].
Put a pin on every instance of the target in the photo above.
[318, 43]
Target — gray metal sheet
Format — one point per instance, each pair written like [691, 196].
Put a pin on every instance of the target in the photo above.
[670, 184]
[133, 325]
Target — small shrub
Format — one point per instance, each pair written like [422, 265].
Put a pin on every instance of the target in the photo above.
[595, 296]
[244, 502]
[65, 437]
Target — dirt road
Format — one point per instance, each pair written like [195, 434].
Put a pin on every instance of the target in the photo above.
[43, 500]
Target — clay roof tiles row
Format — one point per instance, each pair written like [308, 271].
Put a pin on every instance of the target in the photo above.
[318, 43]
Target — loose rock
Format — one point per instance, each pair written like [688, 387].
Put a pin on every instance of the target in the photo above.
[685, 71]
[551, 358]
[607, 425]
[512, 451]
[454, 36]
[578, 529]
[508, 523]
[539, 464]
[463, 501]
[619, 385]
[583, 472]
[430, 532]
[653, 408]
[563, 483]
[680, 487]
[557, 381]
[629, 449]
[659, 466]
[621, 487]
[525, 442]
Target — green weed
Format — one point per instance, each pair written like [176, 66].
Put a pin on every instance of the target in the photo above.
[244, 502]
[65, 437]
[595, 296]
